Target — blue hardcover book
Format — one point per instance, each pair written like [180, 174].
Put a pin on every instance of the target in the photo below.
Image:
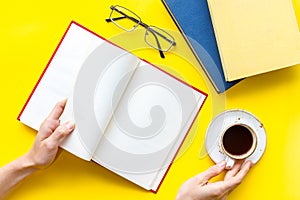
[192, 17]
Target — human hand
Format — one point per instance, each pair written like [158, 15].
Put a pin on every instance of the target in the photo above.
[199, 187]
[51, 134]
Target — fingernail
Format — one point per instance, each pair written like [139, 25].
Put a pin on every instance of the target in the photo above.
[221, 164]
[69, 125]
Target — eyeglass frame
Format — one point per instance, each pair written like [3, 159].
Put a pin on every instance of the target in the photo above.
[147, 27]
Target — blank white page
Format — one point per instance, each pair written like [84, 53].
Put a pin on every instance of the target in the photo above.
[149, 125]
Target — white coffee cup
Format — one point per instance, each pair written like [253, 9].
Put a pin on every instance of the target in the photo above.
[238, 142]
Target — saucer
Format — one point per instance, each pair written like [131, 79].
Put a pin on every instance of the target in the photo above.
[226, 119]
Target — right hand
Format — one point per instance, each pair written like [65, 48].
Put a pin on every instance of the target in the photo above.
[199, 187]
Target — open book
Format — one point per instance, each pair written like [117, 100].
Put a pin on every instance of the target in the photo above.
[131, 117]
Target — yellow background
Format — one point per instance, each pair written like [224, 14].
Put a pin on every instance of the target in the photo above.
[30, 31]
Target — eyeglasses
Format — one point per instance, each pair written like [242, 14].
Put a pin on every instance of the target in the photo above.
[129, 21]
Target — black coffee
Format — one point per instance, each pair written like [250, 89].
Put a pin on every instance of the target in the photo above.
[237, 140]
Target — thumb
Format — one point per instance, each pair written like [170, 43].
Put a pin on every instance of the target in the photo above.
[212, 171]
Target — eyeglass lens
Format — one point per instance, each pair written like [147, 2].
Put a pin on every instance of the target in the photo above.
[158, 38]
[124, 18]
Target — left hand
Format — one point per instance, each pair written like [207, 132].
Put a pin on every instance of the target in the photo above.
[51, 134]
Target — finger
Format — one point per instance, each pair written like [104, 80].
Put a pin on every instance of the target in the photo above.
[211, 172]
[57, 110]
[61, 133]
[234, 181]
[47, 128]
[244, 170]
[234, 170]
[49, 124]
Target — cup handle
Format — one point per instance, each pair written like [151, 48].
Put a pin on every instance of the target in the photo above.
[229, 162]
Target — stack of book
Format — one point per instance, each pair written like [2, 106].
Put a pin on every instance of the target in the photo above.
[237, 39]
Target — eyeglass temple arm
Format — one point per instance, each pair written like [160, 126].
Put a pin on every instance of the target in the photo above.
[115, 19]
[157, 42]
[162, 55]
[123, 17]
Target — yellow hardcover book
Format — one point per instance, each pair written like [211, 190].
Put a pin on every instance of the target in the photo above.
[255, 36]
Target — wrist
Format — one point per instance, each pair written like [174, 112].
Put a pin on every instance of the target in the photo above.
[26, 163]
[13, 173]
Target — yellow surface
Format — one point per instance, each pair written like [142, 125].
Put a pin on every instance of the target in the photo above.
[255, 36]
[30, 31]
